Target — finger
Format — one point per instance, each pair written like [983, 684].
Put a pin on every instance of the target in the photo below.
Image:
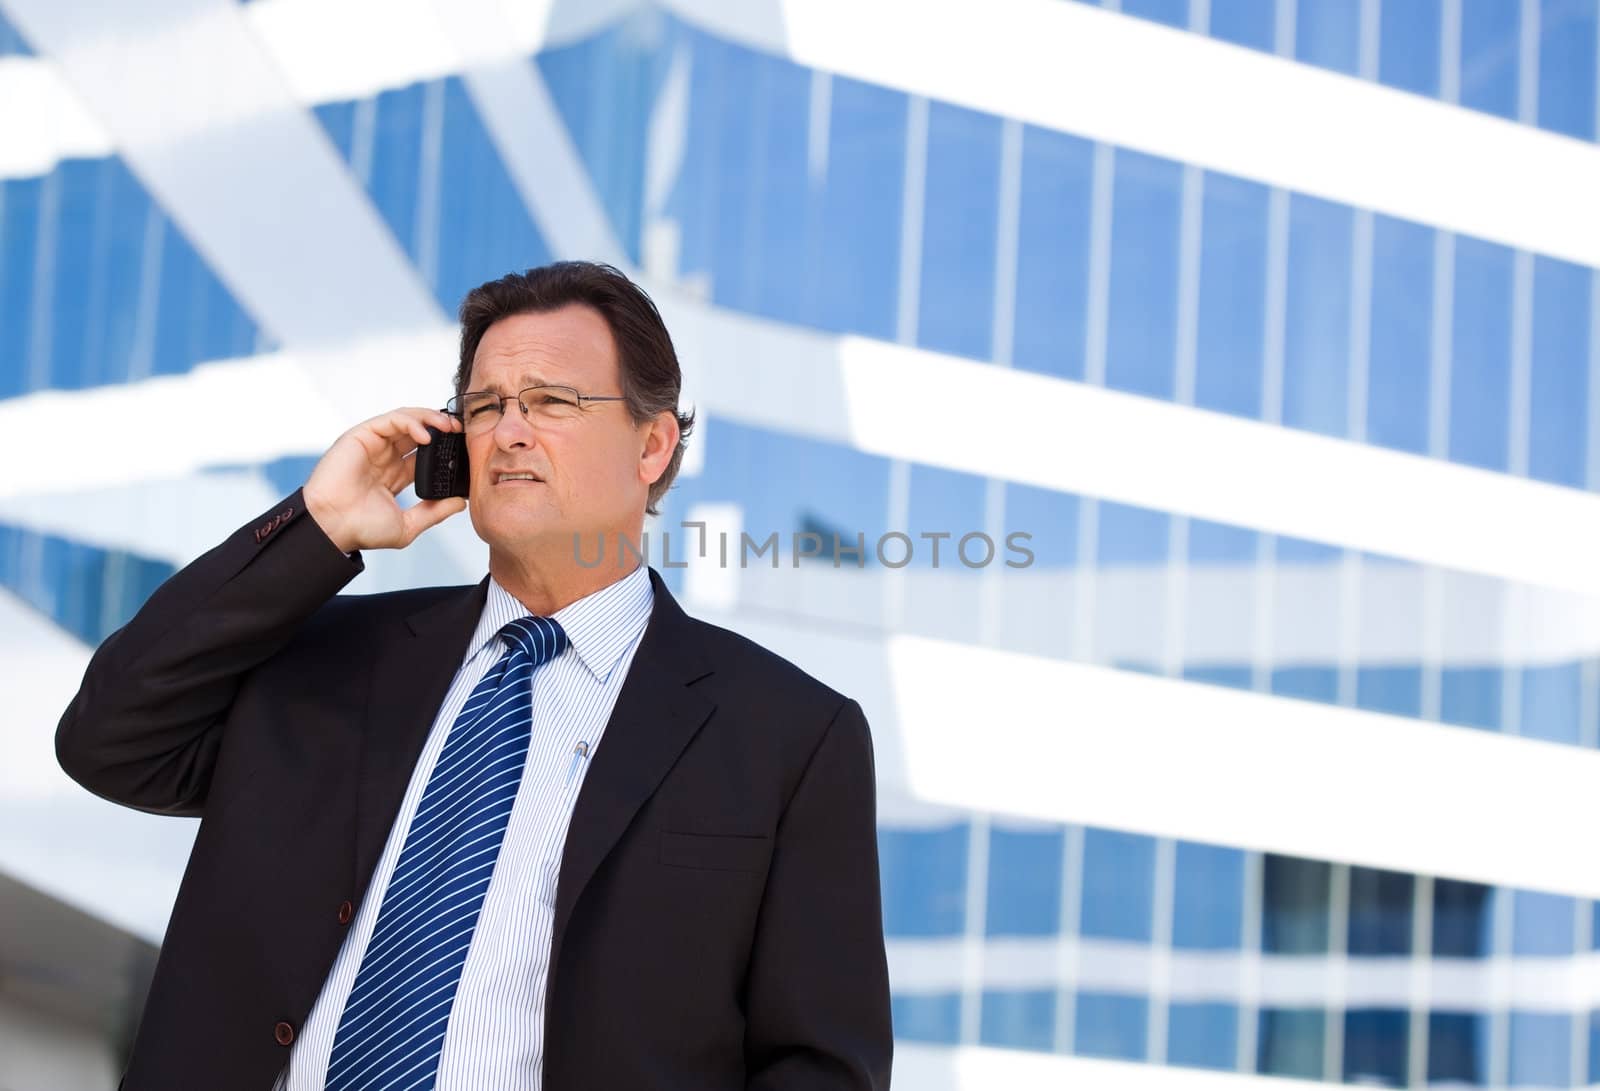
[410, 422]
[401, 474]
[429, 513]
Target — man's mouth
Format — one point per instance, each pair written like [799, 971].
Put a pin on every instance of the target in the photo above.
[517, 477]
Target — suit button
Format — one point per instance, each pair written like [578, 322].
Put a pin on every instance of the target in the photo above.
[346, 911]
[284, 1033]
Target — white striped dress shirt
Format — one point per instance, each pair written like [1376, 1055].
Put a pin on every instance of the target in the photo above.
[495, 1037]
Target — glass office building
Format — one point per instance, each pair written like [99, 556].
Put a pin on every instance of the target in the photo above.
[1178, 421]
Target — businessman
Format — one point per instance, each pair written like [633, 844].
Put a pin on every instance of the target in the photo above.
[546, 831]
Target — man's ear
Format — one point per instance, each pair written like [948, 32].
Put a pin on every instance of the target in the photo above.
[661, 437]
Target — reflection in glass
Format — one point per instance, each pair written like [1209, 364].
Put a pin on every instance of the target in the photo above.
[1290, 1042]
[1294, 911]
[1380, 912]
[1463, 919]
[1458, 1048]
[1376, 1046]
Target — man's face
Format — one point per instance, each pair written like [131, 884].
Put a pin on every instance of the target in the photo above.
[592, 479]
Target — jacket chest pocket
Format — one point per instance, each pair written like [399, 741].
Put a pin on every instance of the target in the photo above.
[715, 851]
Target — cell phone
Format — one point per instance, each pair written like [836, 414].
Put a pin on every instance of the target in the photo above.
[442, 466]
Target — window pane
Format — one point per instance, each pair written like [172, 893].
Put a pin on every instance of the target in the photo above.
[1458, 1048]
[1541, 1049]
[956, 296]
[1233, 287]
[1543, 924]
[1375, 1046]
[1558, 441]
[1327, 34]
[924, 881]
[1021, 1020]
[1408, 46]
[1024, 896]
[860, 287]
[1118, 880]
[1567, 66]
[1470, 696]
[1490, 37]
[1108, 1025]
[1463, 919]
[1380, 912]
[1317, 331]
[1141, 335]
[1402, 320]
[1294, 912]
[1290, 1043]
[1243, 22]
[1396, 690]
[919, 1018]
[1203, 1035]
[1053, 253]
[1480, 379]
[1208, 897]
[1550, 701]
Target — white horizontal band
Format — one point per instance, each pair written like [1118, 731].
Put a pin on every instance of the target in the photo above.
[1556, 984]
[976, 1068]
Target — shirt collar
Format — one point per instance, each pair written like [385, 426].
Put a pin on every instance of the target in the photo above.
[600, 626]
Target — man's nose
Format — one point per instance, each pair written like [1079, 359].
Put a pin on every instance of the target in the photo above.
[514, 428]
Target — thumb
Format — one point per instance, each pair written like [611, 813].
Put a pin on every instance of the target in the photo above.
[430, 513]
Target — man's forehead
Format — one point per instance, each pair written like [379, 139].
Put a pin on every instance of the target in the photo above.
[572, 345]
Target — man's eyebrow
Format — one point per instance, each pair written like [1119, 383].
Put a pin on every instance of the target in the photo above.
[523, 383]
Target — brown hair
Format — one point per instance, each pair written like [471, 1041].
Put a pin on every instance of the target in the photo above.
[651, 378]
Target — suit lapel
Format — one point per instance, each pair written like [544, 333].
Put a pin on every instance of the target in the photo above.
[416, 662]
[655, 717]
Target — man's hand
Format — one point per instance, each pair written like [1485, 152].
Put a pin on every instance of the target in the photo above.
[351, 493]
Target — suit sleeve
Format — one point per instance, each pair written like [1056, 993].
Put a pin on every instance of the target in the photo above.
[817, 1007]
[146, 724]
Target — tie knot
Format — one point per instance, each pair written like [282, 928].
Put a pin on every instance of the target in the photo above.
[539, 639]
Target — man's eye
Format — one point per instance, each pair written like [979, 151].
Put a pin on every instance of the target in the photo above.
[556, 399]
[480, 410]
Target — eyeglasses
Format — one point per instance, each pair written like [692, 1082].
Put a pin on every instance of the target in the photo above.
[480, 410]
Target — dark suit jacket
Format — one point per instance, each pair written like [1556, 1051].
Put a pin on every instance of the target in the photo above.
[717, 921]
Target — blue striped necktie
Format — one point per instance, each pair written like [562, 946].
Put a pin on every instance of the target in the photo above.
[392, 1030]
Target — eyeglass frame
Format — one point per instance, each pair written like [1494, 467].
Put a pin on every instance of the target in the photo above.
[501, 400]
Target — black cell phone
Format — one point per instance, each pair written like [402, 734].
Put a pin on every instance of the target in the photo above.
[442, 466]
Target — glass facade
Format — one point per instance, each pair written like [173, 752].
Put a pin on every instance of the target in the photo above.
[1466, 52]
[799, 197]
